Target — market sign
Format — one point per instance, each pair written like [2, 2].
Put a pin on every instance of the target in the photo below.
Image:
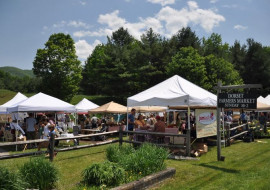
[237, 100]
[206, 122]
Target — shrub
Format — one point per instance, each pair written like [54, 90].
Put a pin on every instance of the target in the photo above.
[146, 160]
[39, 173]
[115, 153]
[11, 181]
[106, 173]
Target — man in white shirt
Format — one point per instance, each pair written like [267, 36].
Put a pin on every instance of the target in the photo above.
[30, 127]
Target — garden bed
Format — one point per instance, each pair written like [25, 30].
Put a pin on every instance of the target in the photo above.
[148, 181]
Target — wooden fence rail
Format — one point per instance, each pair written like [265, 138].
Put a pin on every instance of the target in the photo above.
[237, 135]
[52, 149]
[180, 146]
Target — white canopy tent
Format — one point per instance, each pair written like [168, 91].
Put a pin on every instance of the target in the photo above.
[85, 105]
[17, 98]
[263, 104]
[42, 102]
[175, 91]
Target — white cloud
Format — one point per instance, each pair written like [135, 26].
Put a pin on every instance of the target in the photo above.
[112, 20]
[60, 24]
[176, 19]
[127, 1]
[78, 24]
[213, 1]
[84, 49]
[166, 22]
[83, 3]
[65, 25]
[162, 2]
[240, 27]
[230, 6]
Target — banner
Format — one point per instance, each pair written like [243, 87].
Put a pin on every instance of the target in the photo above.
[206, 122]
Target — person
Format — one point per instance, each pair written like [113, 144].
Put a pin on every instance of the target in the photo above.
[94, 121]
[140, 123]
[159, 127]
[262, 120]
[151, 121]
[131, 121]
[52, 131]
[30, 127]
[243, 118]
[229, 118]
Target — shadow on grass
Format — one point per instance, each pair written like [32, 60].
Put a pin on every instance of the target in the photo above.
[218, 168]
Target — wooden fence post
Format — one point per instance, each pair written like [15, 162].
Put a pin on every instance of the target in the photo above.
[120, 135]
[51, 145]
[228, 135]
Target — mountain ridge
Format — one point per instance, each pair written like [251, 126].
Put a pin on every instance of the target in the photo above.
[17, 71]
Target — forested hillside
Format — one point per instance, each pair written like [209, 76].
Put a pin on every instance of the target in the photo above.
[14, 71]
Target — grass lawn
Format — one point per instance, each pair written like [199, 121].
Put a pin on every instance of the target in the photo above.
[6, 95]
[246, 166]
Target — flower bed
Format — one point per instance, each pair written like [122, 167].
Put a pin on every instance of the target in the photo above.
[125, 164]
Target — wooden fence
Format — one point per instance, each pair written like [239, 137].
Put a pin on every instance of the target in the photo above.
[52, 150]
[229, 137]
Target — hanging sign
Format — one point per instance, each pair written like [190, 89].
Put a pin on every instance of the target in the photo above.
[237, 100]
[206, 122]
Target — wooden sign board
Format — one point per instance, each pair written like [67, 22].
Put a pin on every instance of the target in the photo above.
[237, 100]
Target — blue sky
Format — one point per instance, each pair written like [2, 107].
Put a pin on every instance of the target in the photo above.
[26, 25]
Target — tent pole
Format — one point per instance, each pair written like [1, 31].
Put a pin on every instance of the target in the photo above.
[16, 131]
[188, 131]
[223, 126]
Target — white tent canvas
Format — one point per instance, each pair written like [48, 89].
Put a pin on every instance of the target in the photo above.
[175, 91]
[263, 100]
[85, 105]
[42, 102]
[17, 98]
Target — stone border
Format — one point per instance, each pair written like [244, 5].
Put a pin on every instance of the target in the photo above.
[148, 181]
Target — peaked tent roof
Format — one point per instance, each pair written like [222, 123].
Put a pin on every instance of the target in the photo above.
[263, 103]
[17, 98]
[42, 102]
[110, 107]
[175, 91]
[85, 105]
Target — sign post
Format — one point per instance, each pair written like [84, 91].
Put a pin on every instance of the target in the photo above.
[233, 100]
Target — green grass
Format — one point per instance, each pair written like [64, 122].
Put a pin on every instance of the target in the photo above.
[246, 166]
[6, 95]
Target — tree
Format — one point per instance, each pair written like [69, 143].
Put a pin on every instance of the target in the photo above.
[184, 38]
[220, 69]
[237, 56]
[257, 65]
[93, 71]
[190, 65]
[58, 67]
[154, 58]
[213, 45]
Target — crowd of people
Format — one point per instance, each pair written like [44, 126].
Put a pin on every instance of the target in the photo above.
[156, 123]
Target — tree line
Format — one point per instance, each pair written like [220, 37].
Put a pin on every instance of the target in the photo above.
[24, 84]
[124, 66]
